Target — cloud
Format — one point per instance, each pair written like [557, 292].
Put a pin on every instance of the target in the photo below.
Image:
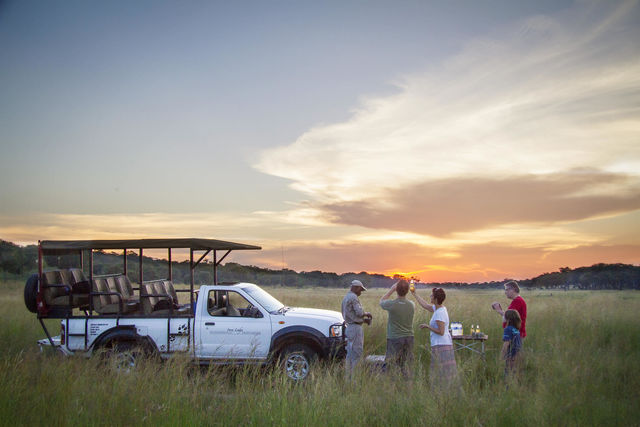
[532, 103]
[262, 228]
[514, 157]
[453, 205]
[131, 226]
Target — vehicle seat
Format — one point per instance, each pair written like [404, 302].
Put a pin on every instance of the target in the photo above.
[222, 305]
[180, 309]
[79, 282]
[232, 311]
[220, 308]
[124, 287]
[109, 303]
[57, 290]
[151, 298]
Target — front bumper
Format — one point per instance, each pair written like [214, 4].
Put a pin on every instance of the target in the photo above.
[335, 347]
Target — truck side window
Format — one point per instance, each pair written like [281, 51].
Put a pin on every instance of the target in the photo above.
[237, 304]
[228, 303]
[217, 303]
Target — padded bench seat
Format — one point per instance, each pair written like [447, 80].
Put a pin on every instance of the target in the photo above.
[159, 298]
[66, 288]
[114, 295]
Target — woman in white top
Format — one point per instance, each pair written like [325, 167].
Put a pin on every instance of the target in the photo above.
[444, 370]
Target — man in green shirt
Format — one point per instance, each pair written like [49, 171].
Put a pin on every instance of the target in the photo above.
[399, 328]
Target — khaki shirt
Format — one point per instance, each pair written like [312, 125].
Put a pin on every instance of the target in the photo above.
[352, 310]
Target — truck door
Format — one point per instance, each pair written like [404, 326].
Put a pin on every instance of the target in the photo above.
[233, 328]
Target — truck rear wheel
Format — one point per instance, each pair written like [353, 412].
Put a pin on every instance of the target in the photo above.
[124, 356]
[31, 292]
[296, 361]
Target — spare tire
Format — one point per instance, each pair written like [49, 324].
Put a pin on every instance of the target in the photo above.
[31, 293]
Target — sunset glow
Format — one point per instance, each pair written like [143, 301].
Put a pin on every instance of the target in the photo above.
[462, 143]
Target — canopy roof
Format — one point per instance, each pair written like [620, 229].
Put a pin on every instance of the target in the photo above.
[53, 246]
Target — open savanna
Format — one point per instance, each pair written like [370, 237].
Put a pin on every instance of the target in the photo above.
[582, 367]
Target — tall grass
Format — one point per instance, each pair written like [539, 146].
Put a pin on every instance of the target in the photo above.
[581, 368]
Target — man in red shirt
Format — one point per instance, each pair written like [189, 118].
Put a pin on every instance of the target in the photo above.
[512, 291]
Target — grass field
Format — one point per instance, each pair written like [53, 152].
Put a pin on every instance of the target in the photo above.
[582, 367]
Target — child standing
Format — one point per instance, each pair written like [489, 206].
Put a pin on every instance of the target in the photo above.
[512, 342]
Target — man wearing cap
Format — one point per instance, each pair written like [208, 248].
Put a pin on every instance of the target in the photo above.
[354, 315]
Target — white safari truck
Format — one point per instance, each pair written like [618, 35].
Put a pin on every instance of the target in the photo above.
[222, 323]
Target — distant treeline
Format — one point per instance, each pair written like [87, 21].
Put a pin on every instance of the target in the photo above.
[598, 276]
[17, 262]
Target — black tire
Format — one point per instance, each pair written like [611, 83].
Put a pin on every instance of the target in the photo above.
[296, 361]
[31, 293]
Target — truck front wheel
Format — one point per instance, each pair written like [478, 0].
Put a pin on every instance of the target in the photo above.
[296, 361]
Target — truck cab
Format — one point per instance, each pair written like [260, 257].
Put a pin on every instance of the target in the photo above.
[243, 321]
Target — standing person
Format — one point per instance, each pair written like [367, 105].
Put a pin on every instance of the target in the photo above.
[399, 328]
[512, 291]
[512, 342]
[444, 371]
[354, 315]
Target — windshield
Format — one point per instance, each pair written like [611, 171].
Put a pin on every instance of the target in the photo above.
[263, 298]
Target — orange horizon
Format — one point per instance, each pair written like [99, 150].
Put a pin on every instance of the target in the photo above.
[485, 264]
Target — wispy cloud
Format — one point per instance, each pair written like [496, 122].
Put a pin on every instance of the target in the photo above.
[264, 228]
[507, 158]
[116, 226]
[513, 114]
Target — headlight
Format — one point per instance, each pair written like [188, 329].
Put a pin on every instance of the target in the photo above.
[335, 331]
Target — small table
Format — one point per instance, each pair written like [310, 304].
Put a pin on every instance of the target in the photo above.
[474, 343]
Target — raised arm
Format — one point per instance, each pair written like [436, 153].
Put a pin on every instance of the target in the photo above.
[422, 302]
[391, 290]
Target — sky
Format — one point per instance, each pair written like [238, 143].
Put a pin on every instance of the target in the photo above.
[452, 141]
